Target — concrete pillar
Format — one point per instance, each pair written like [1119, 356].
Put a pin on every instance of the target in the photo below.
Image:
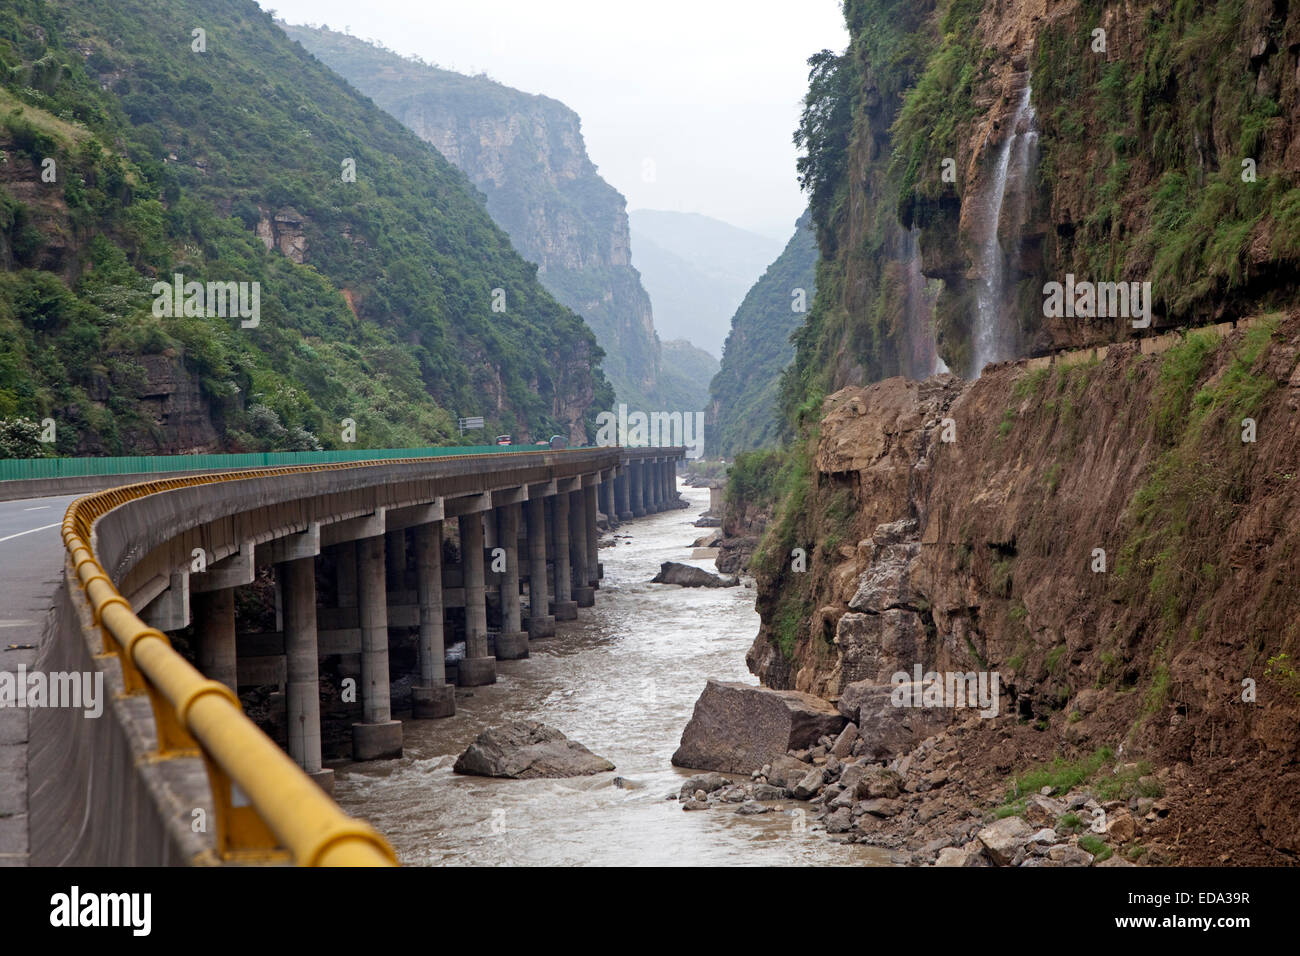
[214, 619]
[540, 621]
[636, 475]
[648, 486]
[478, 667]
[583, 593]
[622, 495]
[670, 482]
[431, 696]
[512, 641]
[345, 572]
[298, 585]
[563, 606]
[395, 558]
[592, 536]
[654, 491]
[378, 736]
[607, 502]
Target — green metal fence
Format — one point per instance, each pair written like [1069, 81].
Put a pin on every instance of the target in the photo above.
[27, 468]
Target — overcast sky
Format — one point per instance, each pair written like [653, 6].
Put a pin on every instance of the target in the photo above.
[686, 104]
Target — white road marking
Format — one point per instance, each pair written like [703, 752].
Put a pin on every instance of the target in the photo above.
[30, 531]
[38, 508]
[15, 623]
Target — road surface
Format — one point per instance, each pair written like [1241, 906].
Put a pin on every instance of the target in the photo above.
[31, 560]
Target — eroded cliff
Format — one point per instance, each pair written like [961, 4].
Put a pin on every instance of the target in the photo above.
[1113, 536]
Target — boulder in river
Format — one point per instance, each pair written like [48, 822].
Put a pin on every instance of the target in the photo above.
[525, 750]
[671, 572]
[737, 728]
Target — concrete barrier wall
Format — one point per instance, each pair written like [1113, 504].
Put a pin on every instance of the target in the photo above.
[96, 796]
[20, 489]
[92, 799]
[1147, 345]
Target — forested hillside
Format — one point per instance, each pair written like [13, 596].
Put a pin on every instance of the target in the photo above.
[194, 138]
[744, 393]
[526, 153]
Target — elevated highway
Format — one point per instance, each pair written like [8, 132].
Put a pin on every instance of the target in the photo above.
[483, 552]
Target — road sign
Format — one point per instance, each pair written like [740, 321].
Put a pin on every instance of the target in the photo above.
[469, 424]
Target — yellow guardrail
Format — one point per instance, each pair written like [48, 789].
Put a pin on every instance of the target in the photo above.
[197, 716]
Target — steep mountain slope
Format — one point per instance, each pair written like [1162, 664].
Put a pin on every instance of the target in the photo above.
[225, 156]
[744, 393]
[684, 377]
[697, 271]
[527, 155]
[1106, 530]
[1101, 537]
[1018, 145]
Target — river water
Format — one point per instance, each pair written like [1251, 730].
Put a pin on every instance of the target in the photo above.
[623, 681]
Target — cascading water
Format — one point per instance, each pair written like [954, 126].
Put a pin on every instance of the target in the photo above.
[995, 329]
[923, 355]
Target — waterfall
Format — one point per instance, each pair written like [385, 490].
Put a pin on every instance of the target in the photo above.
[923, 356]
[995, 329]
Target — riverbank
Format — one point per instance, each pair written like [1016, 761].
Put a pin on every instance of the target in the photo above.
[622, 681]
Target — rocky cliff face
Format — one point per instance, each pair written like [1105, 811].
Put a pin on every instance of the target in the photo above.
[1099, 534]
[1025, 142]
[526, 153]
[1147, 119]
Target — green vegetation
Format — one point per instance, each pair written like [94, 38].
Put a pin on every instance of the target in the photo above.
[168, 161]
[1060, 775]
[572, 226]
[858, 318]
[753, 478]
[925, 132]
[1281, 669]
[1192, 492]
[745, 389]
[789, 618]
[1095, 845]
[1007, 424]
[1148, 105]
[1031, 383]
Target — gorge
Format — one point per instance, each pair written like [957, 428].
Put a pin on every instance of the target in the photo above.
[994, 451]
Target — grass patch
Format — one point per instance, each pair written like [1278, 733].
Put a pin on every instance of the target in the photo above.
[788, 619]
[1180, 370]
[1007, 424]
[1124, 785]
[1095, 845]
[1061, 775]
[1030, 383]
[1052, 478]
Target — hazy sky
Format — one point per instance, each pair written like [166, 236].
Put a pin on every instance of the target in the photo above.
[686, 104]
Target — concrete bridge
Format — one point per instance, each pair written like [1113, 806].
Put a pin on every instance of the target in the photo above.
[377, 568]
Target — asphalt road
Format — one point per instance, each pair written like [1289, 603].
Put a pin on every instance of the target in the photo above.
[31, 560]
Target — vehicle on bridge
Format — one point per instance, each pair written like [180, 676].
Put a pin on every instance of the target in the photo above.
[504, 440]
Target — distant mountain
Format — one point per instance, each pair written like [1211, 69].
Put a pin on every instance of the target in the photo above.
[684, 376]
[526, 154]
[697, 271]
[743, 414]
